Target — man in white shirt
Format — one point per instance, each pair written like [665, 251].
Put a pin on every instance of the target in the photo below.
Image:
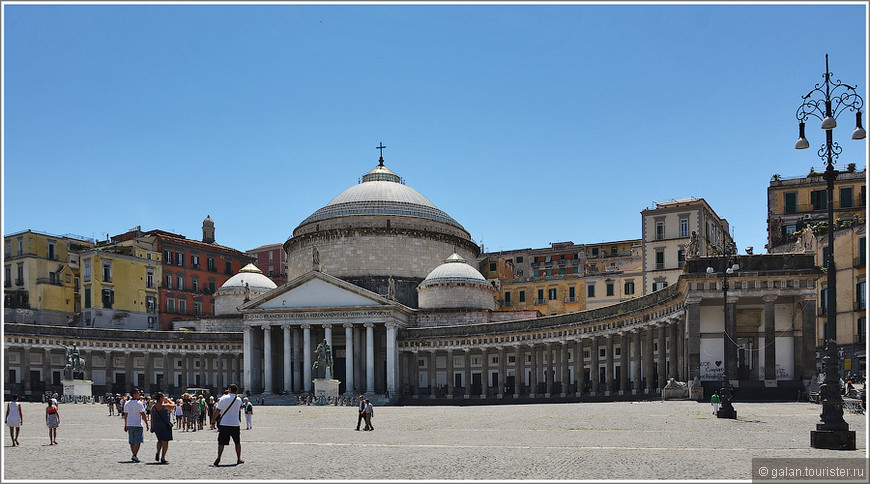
[227, 411]
[134, 417]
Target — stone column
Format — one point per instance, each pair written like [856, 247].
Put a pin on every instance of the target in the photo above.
[566, 372]
[25, 370]
[549, 368]
[450, 373]
[608, 366]
[221, 382]
[467, 371]
[167, 374]
[502, 371]
[807, 369]
[624, 385]
[148, 377]
[267, 359]
[519, 378]
[414, 373]
[128, 370]
[693, 345]
[484, 373]
[648, 361]
[370, 357]
[110, 373]
[579, 369]
[349, 383]
[636, 362]
[769, 341]
[392, 359]
[288, 362]
[674, 366]
[46, 368]
[327, 334]
[238, 375]
[306, 357]
[533, 381]
[433, 375]
[248, 353]
[297, 361]
[89, 364]
[662, 358]
[594, 371]
[731, 345]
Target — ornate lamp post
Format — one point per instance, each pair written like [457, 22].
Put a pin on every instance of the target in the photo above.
[729, 250]
[826, 101]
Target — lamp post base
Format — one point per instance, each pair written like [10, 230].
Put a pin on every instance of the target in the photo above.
[727, 413]
[832, 439]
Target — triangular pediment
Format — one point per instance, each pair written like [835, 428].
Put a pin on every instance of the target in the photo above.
[316, 290]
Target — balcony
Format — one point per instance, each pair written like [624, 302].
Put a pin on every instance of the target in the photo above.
[571, 300]
[540, 302]
[19, 282]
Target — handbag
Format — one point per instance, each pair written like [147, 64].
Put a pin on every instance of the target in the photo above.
[218, 419]
[162, 417]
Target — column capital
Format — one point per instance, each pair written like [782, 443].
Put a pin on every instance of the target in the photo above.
[369, 324]
[347, 325]
[266, 327]
[285, 327]
[326, 325]
[768, 298]
[391, 325]
[306, 326]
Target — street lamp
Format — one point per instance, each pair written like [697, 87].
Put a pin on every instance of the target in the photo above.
[729, 266]
[826, 101]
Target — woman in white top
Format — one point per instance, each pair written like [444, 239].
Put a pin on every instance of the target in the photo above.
[179, 413]
[14, 419]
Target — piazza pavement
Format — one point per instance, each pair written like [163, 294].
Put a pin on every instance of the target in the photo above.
[649, 440]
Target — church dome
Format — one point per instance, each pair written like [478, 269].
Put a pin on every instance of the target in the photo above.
[454, 270]
[208, 222]
[381, 192]
[253, 277]
[455, 285]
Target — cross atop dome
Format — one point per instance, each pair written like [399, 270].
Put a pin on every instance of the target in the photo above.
[381, 148]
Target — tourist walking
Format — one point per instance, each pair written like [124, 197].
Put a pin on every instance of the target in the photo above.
[52, 421]
[201, 409]
[227, 413]
[714, 400]
[110, 400]
[179, 417]
[210, 410]
[186, 407]
[161, 425]
[249, 413]
[14, 418]
[369, 413]
[362, 411]
[134, 418]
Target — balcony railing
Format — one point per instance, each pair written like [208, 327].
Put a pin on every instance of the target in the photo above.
[540, 302]
[571, 300]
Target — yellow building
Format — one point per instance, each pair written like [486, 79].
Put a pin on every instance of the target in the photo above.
[119, 287]
[613, 272]
[41, 274]
[799, 204]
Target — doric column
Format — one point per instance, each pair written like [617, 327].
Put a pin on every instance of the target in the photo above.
[46, 368]
[808, 339]
[450, 373]
[467, 371]
[674, 366]
[288, 362]
[769, 341]
[566, 372]
[550, 369]
[608, 366]
[238, 375]
[350, 383]
[110, 373]
[624, 388]
[594, 371]
[248, 353]
[579, 369]
[370, 357]
[306, 357]
[221, 381]
[128, 370]
[392, 359]
[25, 370]
[432, 373]
[636, 356]
[693, 344]
[502, 369]
[731, 344]
[519, 378]
[414, 373]
[148, 377]
[484, 373]
[662, 358]
[297, 361]
[648, 361]
[533, 381]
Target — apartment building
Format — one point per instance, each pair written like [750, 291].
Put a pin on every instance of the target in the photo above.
[41, 277]
[272, 260]
[796, 204]
[667, 232]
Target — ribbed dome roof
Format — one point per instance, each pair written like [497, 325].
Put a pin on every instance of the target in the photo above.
[253, 276]
[381, 193]
[208, 222]
[454, 270]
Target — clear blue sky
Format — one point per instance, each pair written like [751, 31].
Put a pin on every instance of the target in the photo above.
[528, 124]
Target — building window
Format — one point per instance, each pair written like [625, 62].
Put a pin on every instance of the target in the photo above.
[552, 295]
[660, 259]
[493, 266]
[211, 306]
[522, 296]
[169, 281]
[862, 252]
[590, 290]
[180, 283]
[107, 271]
[180, 257]
[846, 197]
[609, 288]
[572, 294]
[20, 245]
[52, 250]
[507, 298]
[790, 202]
[862, 329]
[657, 286]
[194, 261]
[20, 279]
[211, 286]
[197, 308]
[108, 298]
[87, 302]
[87, 270]
[7, 280]
[150, 322]
[823, 301]
[150, 304]
[167, 256]
[540, 296]
[628, 288]
[211, 267]
[228, 267]
[170, 305]
[681, 257]
[684, 227]
[149, 278]
[660, 230]
[194, 284]
[861, 293]
[8, 248]
[519, 259]
[819, 199]
[271, 271]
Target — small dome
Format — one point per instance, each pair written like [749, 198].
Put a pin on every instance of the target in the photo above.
[454, 270]
[253, 277]
[208, 222]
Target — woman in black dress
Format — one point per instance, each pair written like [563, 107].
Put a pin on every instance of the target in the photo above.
[161, 425]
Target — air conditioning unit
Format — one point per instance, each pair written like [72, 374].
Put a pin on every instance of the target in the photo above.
[808, 216]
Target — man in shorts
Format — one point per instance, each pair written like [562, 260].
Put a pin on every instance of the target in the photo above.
[228, 412]
[134, 417]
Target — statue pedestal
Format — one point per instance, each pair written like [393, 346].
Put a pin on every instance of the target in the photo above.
[77, 388]
[326, 387]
